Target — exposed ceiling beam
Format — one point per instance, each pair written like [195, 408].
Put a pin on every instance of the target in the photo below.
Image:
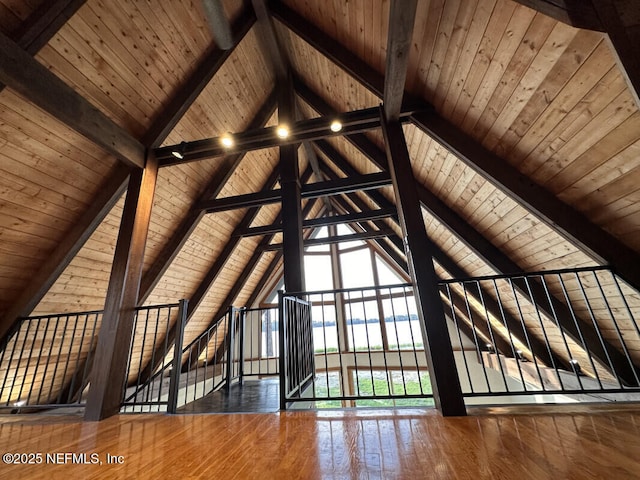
[109, 368]
[569, 222]
[577, 13]
[312, 158]
[21, 72]
[312, 190]
[336, 52]
[352, 237]
[270, 45]
[267, 137]
[177, 240]
[195, 84]
[36, 31]
[324, 221]
[402, 15]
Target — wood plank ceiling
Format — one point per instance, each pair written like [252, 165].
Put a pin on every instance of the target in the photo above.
[547, 98]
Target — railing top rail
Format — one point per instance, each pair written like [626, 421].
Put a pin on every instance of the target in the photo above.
[203, 334]
[538, 273]
[347, 290]
[152, 307]
[94, 312]
[64, 314]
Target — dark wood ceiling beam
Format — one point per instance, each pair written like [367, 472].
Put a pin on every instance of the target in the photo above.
[324, 221]
[337, 53]
[312, 190]
[196, 83]
[177, 240]
[36, 31]
[260, 138]
[577, 13]
[402, 15]
[21, 72]
[340, 238]
[566, 220]
[270, 45]
[363, 225]
[312, 158]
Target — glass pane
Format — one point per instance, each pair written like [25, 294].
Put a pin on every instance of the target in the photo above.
[386, 275]
[322, 232]
[317, 272]
[345, 230]
[356, 269]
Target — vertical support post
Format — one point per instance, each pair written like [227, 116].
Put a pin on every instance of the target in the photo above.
[116, 331]
[292, 242]
[445, 383]
[283, 351]
[174, 382]
[242, 319]
[230, 345]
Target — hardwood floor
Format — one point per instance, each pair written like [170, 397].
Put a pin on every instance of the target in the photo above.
[385, 444]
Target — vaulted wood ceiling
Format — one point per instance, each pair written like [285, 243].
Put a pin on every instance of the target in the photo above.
[542, 103]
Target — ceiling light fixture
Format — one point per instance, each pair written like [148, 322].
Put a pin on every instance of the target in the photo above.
[227, 140]
[282, 131]
[336, 126]
[178, 151]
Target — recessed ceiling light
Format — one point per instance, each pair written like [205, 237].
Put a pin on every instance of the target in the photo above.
[227, 140]
[336, 126]
[282, 131]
